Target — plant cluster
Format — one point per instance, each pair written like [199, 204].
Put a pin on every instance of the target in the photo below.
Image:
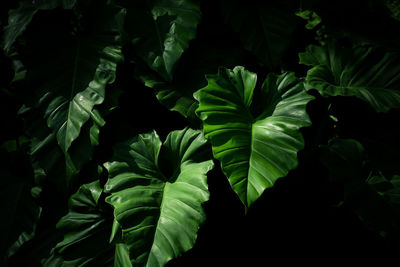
[133, 131]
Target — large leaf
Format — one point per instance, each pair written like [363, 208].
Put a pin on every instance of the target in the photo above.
[73, 74]
[157, 191]
[265, 27]
[254, 150]
[50, 164]
[87, 229]
[177, 94]
[368, 73]
[161, 30]
[19, 19]
[69, 75]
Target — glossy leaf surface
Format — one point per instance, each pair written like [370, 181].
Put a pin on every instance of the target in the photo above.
[254, 150]
[368, 73]
[157, 191]
[69, 75]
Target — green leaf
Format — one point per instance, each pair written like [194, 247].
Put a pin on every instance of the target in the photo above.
[79, 71]
[254, 151]
[161, 31]
[50, 163]
[87, 228]
[368, 73]
[68, 75]
[177, 95]
[265, 28]
[122, 256]
[157, 191]
[19, 19]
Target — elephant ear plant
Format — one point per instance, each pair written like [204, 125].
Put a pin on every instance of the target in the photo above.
[176, 132]
[254, 151]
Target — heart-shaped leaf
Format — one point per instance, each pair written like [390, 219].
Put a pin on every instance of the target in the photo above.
[157, 191]
[368, 73]
[254, 151]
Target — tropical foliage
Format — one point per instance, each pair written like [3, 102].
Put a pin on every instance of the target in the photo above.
[184, 132]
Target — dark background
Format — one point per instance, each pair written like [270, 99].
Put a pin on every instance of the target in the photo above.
[301, 219]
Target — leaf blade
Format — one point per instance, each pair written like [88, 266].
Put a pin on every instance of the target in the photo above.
[236, 135]
[364, 72]
[152, 206]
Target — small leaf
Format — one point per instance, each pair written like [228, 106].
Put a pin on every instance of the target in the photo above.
[311, 17]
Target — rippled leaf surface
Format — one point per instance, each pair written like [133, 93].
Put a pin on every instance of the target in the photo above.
[157, 191]
[87, 228]
[368, 73]
[254, 150]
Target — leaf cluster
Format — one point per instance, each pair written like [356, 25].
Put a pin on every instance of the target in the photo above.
[183, 132]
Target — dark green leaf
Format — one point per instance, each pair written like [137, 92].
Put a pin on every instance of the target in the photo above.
[161, 31]
[72, 77]
[19, 19]
[189, 76]
[69, 75]
[368, 73]
[87, 228]
[157, 191]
